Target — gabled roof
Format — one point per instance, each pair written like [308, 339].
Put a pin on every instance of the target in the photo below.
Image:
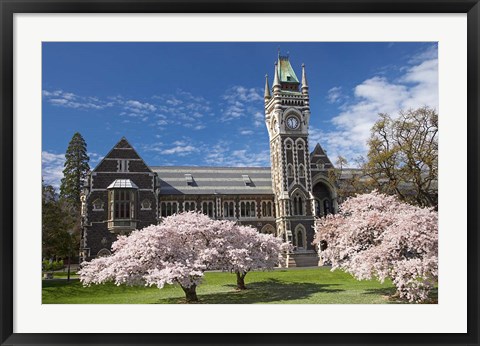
[122, 146]
[214, 180]
[319, 155]
[285, 70]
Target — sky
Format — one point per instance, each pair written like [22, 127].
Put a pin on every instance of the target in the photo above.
[201, 104]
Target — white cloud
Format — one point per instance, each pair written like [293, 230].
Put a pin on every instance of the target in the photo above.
[52, 168]
[246, 132]
[139, 107]
[61, 98]
[222, 155]
[180, 150]
[183, 108]
[417, 87]
[334, 94]
[242, 102]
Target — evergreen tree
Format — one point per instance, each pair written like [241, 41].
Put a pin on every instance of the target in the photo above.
[55, 222]
[75, 171]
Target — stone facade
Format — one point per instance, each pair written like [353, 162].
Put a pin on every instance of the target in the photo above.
[123, 193]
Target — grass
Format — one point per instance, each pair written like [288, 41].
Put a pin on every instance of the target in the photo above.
[284, 286]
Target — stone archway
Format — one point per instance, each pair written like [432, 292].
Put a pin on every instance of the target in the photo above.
[325, 197]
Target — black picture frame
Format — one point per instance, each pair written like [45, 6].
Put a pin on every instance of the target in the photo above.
[9, 7]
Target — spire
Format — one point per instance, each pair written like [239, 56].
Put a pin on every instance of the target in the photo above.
[267, 88]
[276, 80]
[304, 78]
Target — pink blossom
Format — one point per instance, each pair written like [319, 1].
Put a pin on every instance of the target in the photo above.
[180, 250]
[377, 236]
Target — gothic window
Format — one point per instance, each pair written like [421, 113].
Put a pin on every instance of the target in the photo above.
[288, 144]
[228, 209]
[247, 209]
[208, 208]
[98, 205]
[300, 243]
[290, 170]
[301, 171]
[317, 208]
[168, 208]
[189, 206]
[326, 207]
[267, 209]
[146, 204]
[298, 204]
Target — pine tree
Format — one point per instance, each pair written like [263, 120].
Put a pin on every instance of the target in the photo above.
[75, 171]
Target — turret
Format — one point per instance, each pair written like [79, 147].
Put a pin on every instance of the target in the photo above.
[276, 81]
[267, 95]
[304, 81]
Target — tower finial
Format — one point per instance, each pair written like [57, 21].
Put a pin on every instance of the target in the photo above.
[304, 79]
[276, 79]
[267, 89]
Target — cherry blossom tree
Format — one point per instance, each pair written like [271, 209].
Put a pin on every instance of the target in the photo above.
[248, 250]
[179, 251]
[377, 236]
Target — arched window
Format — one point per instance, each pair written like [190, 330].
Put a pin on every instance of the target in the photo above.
[290, 170]
[168, 208]
[326, 207]
[300, 240]
[228, 209]
[317, 207]
[247, 209]
[267, 209]
[189, 206]
[301, 171]
[300, 237]
[208, 208]
[298, 204]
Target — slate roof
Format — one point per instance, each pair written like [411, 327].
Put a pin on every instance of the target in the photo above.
[285, 71]
[193, 180]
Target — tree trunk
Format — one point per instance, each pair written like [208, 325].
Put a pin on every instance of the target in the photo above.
[190, 293]
[241, 281]
[68, 269]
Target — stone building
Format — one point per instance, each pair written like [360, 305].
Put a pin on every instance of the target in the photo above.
[123, 193]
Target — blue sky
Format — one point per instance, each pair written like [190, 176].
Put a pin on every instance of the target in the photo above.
[202, 103]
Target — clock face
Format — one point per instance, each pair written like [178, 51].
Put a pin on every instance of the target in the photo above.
[292, 123]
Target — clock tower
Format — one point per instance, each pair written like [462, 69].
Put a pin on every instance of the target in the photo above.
[287, 116]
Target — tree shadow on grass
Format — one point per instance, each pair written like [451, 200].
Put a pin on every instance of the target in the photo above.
[390, 295]
[58, 291]
[272, 290]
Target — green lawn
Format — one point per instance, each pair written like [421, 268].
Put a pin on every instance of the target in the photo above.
[285, 286]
